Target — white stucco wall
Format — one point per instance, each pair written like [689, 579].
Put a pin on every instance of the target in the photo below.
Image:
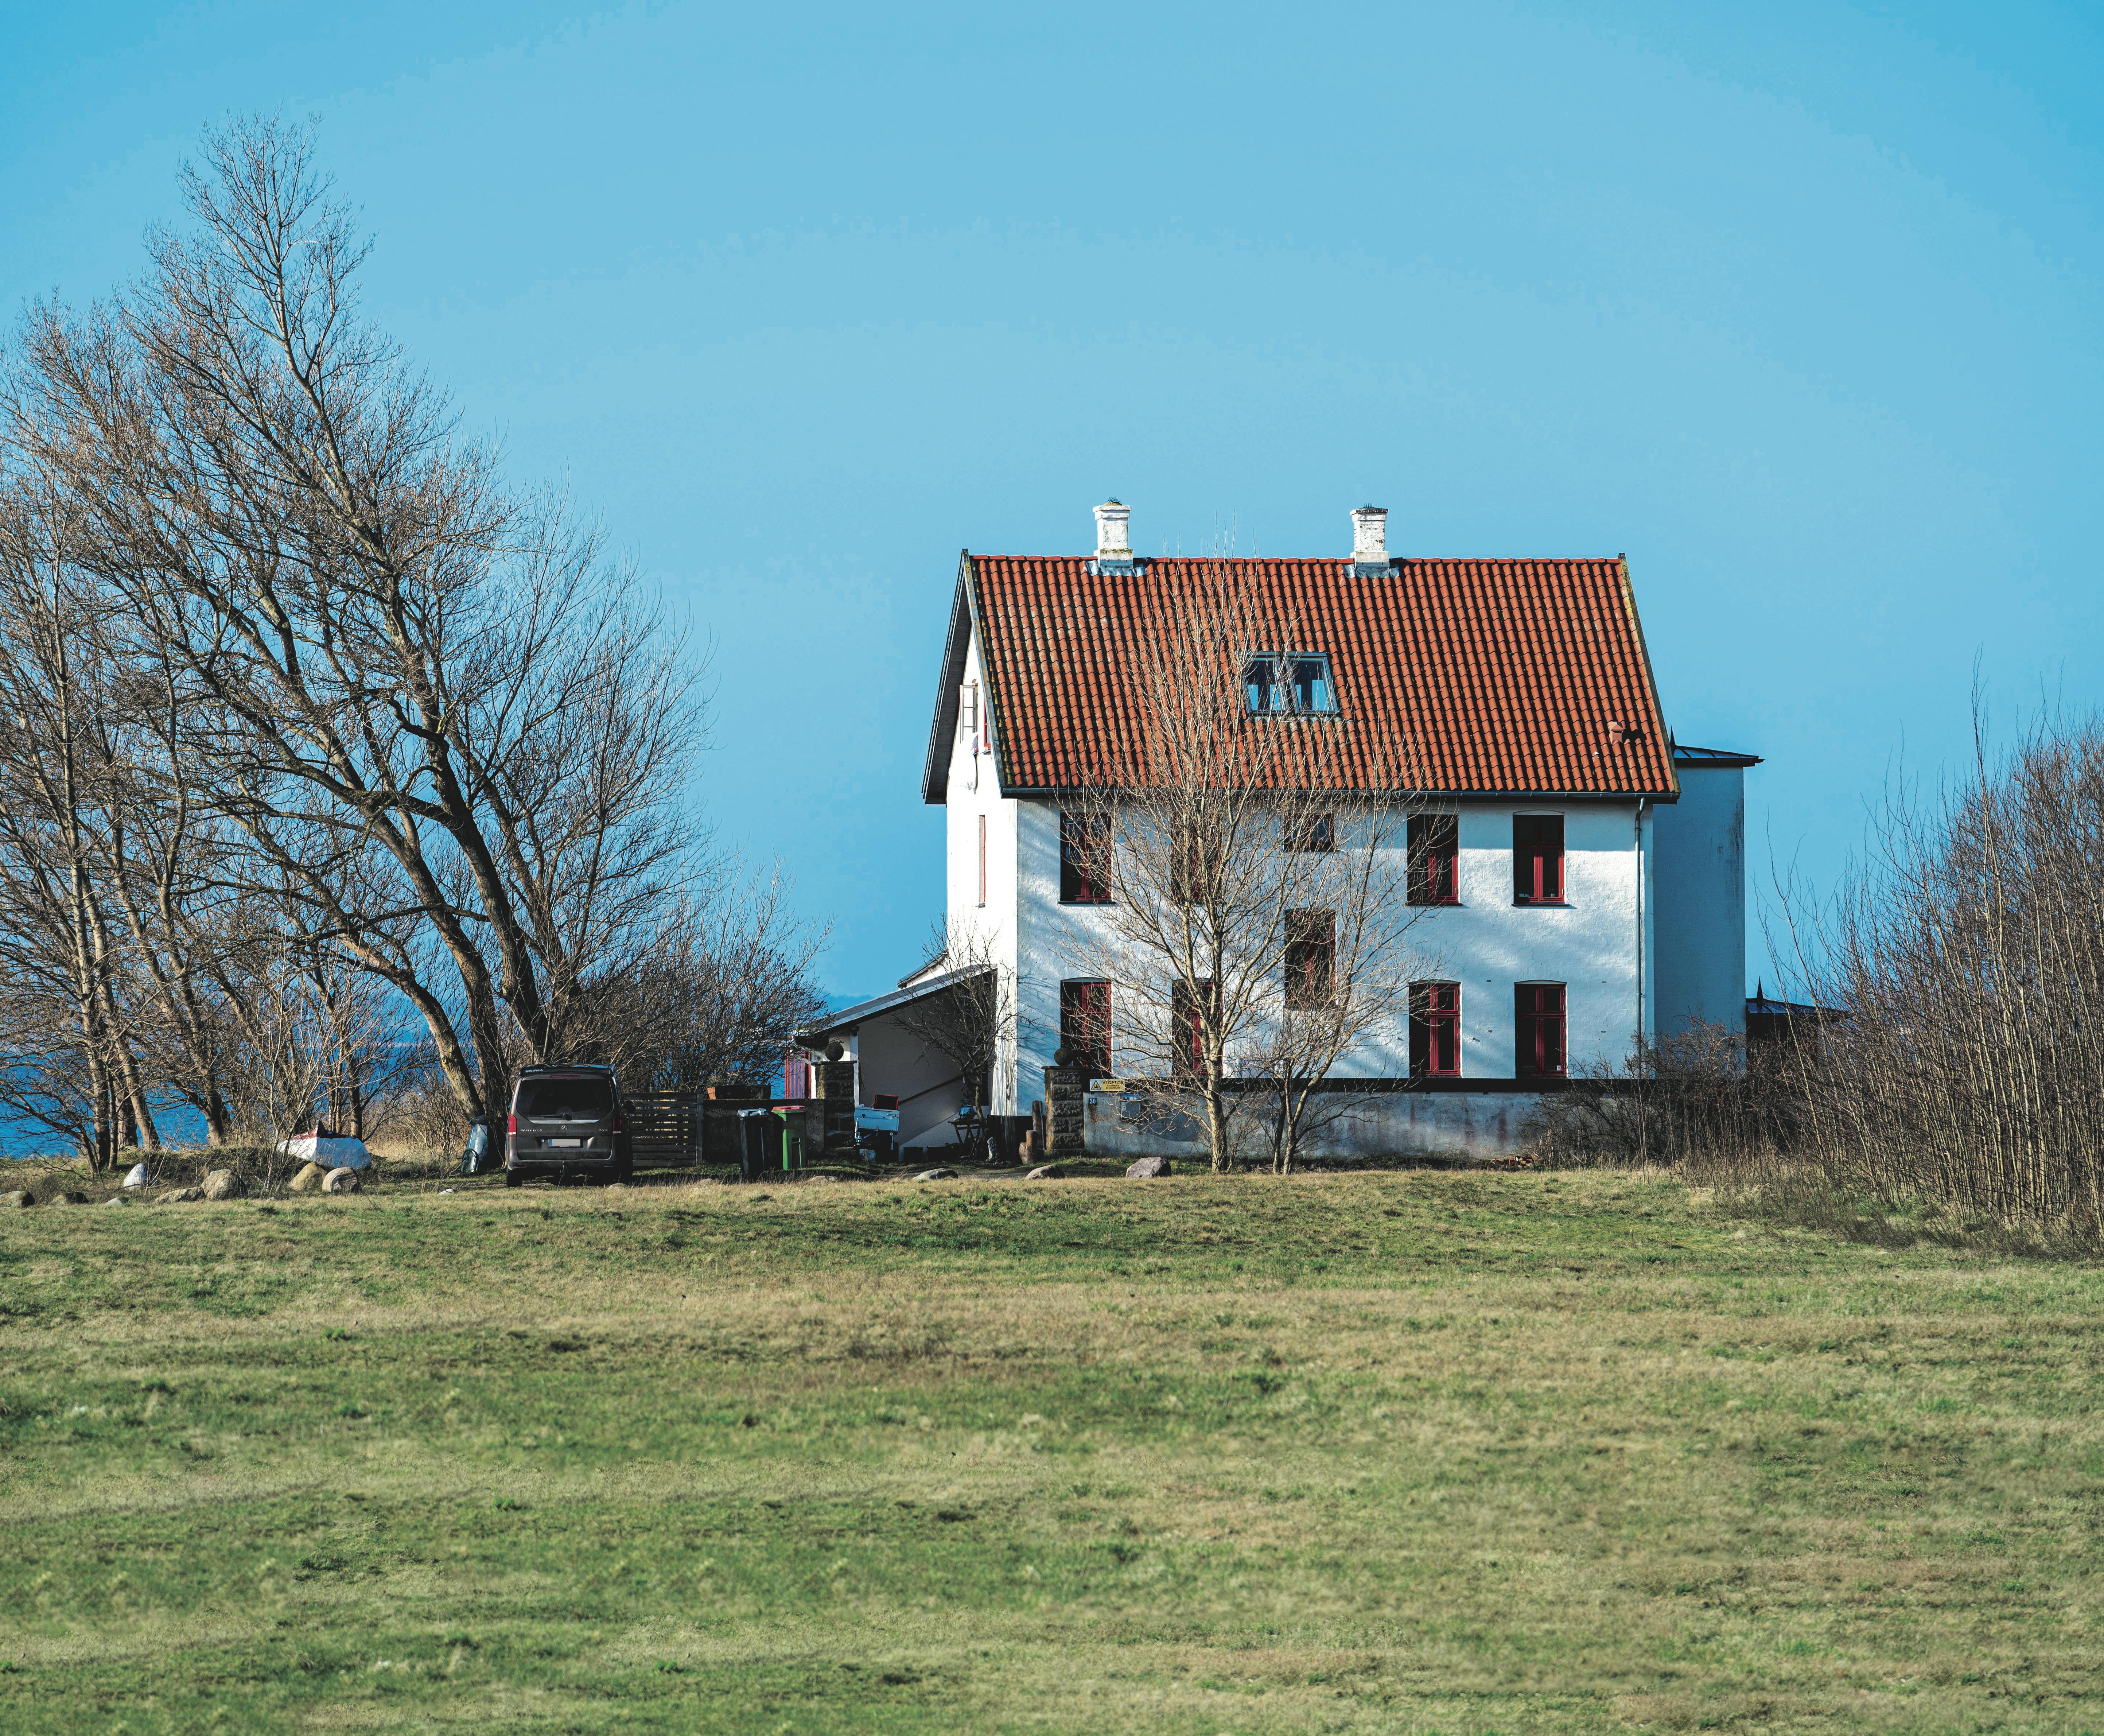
[1701, 925]
[974, 795]
[1487, 944]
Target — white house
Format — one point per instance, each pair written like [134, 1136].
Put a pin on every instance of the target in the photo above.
[1595, 895]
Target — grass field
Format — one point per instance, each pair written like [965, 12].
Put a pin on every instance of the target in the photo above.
[1410, 1452]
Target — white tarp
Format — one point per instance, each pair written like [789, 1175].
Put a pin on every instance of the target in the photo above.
[331, 1150]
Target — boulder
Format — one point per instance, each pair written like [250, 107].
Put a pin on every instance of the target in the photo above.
[137, 1176]
[20, 1200]
[1147, 1168]
[309, 1181]
[181, 1195]
[70, 1197]
[1044, 1172]
[221, 1184]
[937, 1175]
[339, 1181]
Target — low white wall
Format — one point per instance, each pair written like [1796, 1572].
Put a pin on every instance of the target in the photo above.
[1451, 1125]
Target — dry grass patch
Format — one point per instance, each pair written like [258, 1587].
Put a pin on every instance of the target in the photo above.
[1365, 1453]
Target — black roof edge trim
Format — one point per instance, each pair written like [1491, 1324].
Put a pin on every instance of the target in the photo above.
[941, 733]
[1683, 755]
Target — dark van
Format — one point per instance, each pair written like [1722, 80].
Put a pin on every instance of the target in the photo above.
[566, 1121]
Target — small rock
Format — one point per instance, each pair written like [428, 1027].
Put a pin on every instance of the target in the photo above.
[221, 1184]
[183, 1195]
[69, 1198]
[616, 1187]
[119, 1199]
[937, 1175]
[309, 1181]
[17, 1201]
[1147, 1168]
[442, 1192]
[339, 1181]
[1044, 1172]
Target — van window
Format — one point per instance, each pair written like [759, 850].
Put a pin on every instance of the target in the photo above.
[543, 1099]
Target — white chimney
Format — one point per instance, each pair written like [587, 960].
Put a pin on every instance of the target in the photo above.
[1113, 539]
[1370, 539]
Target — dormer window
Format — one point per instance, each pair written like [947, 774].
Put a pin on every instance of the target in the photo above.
[1289, 684]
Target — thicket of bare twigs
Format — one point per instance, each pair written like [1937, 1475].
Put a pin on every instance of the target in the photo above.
[1960, 1070]
[338, 768]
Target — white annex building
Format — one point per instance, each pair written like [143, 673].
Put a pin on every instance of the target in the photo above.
[1584, 873]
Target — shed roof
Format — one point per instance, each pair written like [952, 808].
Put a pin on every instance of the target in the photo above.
[843, 1017]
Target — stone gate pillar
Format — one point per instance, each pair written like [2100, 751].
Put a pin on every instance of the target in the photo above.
[1064, 1088]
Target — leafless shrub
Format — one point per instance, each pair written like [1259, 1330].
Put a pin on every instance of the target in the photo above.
[1698, 1098]
[714, 993]
[1967, 951]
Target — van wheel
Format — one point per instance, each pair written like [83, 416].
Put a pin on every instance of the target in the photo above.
[513, 1178]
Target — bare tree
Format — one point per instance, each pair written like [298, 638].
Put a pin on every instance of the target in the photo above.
[1352, 949]
[430, 704]
[1256, 914]
[68, 1026]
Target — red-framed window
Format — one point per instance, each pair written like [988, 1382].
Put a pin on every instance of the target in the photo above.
[1194, 864]
[1537, 859]
[1435, 853]
[1311, 959]
[1538, 1020]
[1084, 858]
[1435, 1030]
[1084, 1025]
[1188, 1004]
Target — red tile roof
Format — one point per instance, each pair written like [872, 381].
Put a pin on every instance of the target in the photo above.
[1494, 677]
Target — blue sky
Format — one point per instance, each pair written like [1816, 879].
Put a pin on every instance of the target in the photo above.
[1797, 304]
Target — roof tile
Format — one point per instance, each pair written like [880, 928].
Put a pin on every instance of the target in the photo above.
[1495, 677]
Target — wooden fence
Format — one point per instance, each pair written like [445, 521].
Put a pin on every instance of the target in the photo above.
[680, 1129]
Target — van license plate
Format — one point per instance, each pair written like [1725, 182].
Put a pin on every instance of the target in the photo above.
[572, 1143]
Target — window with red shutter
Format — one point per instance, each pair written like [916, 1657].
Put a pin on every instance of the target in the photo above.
[1194, 864]
[982, 859]
[1537, 859]
[1084, 858]
[1187, 1027]
[1435, 1030]
[1084, 1025]
[1538, 1022]
[1311, 959]
[1435, 849]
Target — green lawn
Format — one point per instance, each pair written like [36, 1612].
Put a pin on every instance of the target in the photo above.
[1412, 1452]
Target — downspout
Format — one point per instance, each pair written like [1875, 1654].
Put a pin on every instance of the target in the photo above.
[1640, 923]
